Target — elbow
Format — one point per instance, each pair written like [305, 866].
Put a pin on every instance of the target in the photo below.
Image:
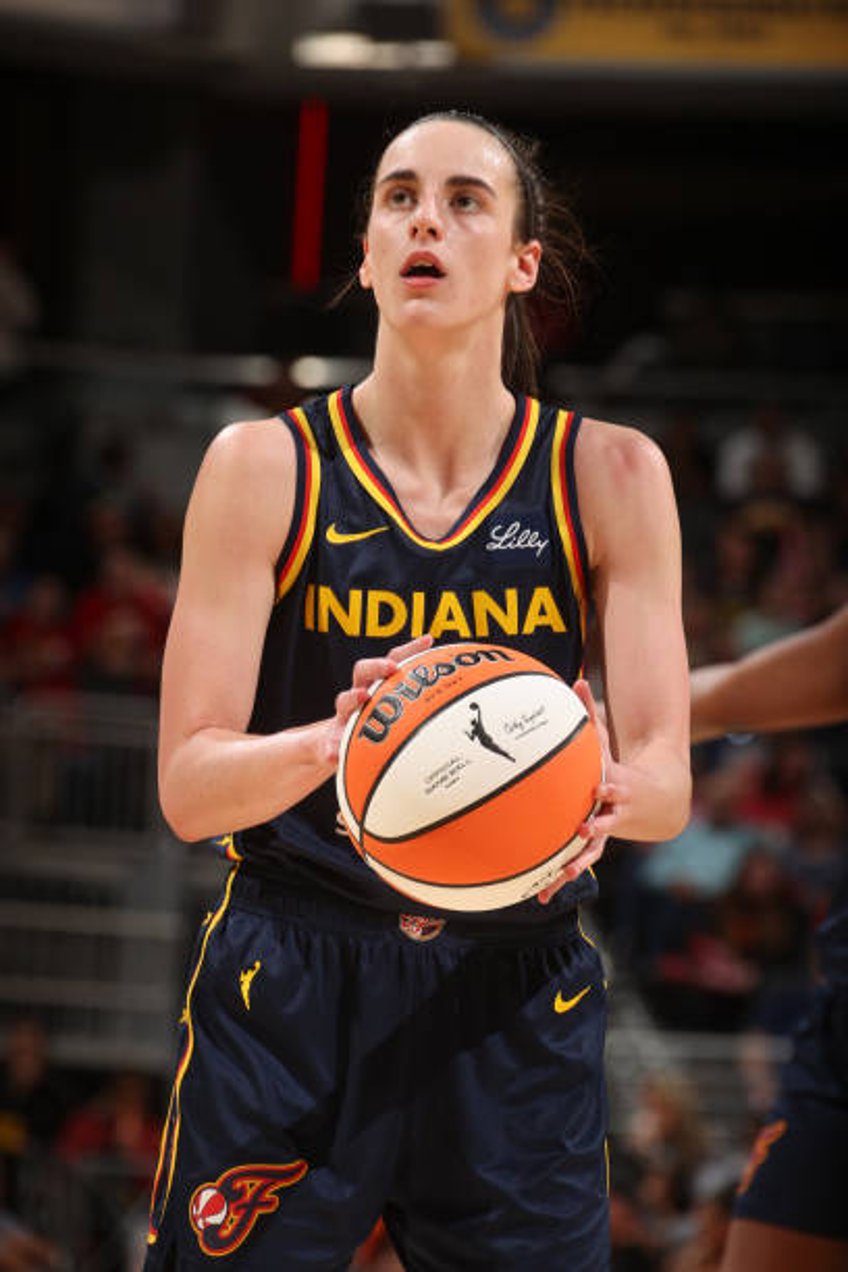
[182, 820]
[679, 804]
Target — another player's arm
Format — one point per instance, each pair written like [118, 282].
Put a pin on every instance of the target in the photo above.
[213, 776]
[797, 682]
[633, 539]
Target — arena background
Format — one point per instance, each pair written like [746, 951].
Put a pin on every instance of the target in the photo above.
[180, 182]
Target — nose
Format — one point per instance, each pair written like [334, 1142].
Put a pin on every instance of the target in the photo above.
[426, 222]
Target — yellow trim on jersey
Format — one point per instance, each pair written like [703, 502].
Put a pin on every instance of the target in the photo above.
[564, 513]
[171, 1134]
[380, 496]
[306, 530]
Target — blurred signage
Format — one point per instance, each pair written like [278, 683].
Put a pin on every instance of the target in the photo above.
[117, 14]
[748, 34]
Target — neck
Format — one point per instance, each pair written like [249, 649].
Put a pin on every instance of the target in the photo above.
[435, 408]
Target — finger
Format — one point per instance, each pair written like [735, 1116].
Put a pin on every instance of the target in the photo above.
[575, 867]
[348, 701]
[584, 693]
[411, 647]
[367, 670]
[601, 824]
[609, 793]
[593, 851]
[551, 890]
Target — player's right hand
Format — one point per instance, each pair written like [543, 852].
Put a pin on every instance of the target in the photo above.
[366, 672]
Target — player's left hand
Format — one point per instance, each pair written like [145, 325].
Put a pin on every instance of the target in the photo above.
[611, 796]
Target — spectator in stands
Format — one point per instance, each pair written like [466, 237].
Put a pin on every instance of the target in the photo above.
[22, 1250]
[116, 1134]
[37, 645]
[667, 1141]
[120, 623]
[731, 575]
[634, 1246]
[20, 311]
[666, 1128]
[782, 771]
[711, 1216]
[820, 843]
[762, 920]
[14, 578]
[33, 1104]
[772, 454]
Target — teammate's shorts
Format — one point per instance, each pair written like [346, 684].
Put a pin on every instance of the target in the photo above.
[795, 1176]
[336, 1065]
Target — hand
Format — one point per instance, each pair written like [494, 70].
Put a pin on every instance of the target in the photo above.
[611, 795]
[365, 673]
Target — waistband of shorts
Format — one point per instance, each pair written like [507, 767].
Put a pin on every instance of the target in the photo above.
[326, 912]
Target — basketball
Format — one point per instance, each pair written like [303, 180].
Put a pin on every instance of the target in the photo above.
[463, 778]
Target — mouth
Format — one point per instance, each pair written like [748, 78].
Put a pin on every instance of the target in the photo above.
[422, 266]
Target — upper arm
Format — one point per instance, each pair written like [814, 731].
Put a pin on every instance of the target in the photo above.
[632, 532]
[237, 520]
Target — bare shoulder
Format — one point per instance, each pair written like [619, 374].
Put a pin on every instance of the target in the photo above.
[257, 449]
[624, 487]
[245, 487]
[617, 453]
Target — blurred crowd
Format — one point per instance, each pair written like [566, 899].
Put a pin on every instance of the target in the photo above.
[714, 927]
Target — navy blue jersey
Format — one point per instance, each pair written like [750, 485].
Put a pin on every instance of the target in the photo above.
[355, 578]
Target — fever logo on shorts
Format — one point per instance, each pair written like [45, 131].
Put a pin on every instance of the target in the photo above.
[223, 1213]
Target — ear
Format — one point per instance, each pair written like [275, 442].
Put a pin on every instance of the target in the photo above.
[365, 280]
[525, 269]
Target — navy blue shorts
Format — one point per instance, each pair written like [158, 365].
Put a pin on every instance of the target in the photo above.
[795, 1175]
[338, 1065]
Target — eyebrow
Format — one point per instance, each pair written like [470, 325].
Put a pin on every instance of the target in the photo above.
[409, 174]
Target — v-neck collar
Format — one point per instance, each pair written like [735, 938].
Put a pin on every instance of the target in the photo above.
[513, 452]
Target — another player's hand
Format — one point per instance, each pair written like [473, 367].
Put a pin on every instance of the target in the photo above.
[365, 673]
[610, 797]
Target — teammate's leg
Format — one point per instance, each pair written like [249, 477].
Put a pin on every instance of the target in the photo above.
[764, 1247]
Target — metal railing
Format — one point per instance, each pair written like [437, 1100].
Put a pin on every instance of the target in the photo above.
[92, 925]
[98, 904]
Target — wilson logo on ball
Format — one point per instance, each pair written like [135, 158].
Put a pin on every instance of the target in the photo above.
[486, 769]
[389, 707]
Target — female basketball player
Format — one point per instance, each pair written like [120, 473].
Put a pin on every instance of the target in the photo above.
[342, 1058]
[790, 1212]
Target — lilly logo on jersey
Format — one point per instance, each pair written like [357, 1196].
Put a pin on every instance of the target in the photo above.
[516, 537]
[224, 1213]
[389, 707]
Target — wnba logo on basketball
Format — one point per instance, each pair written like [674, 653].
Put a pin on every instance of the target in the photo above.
[390, 706]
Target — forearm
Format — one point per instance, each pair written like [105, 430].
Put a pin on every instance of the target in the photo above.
[798, 682]
[659, 789]
[219, 780]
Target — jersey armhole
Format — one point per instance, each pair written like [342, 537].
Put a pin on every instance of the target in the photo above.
[567, 511]
[307, 486]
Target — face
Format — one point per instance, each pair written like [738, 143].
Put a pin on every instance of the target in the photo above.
[441, 248]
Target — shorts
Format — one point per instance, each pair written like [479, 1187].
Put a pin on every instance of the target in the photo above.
[338, 1064]
[795, 1174]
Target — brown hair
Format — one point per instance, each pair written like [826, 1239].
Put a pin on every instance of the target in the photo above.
[541, 215]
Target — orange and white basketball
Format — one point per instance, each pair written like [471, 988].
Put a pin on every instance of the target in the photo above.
[463, 778]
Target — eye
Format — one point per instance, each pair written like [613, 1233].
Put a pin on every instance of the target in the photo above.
[399, 197]
[466, 202]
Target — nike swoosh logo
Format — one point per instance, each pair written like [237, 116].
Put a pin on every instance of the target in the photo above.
[338, 536]
[565, 1004]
